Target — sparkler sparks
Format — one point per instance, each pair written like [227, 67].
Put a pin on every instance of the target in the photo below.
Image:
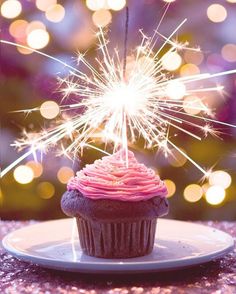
[119, 107]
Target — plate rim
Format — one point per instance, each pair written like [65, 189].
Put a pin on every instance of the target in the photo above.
[117, 267]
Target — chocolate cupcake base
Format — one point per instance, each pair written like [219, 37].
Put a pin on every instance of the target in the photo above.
[116, 239]
[114, 229]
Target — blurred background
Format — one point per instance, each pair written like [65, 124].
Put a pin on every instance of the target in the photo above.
[33, 189]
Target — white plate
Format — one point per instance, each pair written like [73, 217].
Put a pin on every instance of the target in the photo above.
[178, 244]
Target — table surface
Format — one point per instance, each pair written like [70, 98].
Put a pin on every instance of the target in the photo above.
[216, 277]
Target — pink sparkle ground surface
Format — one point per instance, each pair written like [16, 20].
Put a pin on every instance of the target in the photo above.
[216, 277]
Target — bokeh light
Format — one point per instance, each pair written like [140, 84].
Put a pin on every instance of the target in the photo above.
[95, 4]
[116, 4]
[192, 105]
[64, 174]
[195, 57]
[18, 28]
[55, 13]
[49, 109]
[24, 50]
[171, 187]
[23, 174]
[205, 187]
[38, 39]
[229, 52]
[44, 4]
[35, 25]
[176, 159]
[193, 193]
[215, 195]
[189, 69]
[216, 13]
[36, 167]
[175, 90]
[45, 190]
[171, 61]
[11, 8]
[102, 17]
[231, 1]
[220, 178]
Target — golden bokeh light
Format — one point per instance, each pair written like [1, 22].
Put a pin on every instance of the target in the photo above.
[11, 8]
[171, 61]
[189, 69]
[175, 90]
[229, 52]
[205, 187]
[231, 1]
[45, 190]
[36, 167]
[84, 37]
[95, 4]
[216, 13]
[192, 105]
[23, 174]
[102, 17]
[18, 28]
[64, 174]
[116, 4]
[215, 195]
[49, 109]
[171, 187]
[220, 178]
[176, 159]
[38, 39]
[193, 193]
[194, 57]
[24, 50]
[44, 4]
[55, 13]
[35, 25]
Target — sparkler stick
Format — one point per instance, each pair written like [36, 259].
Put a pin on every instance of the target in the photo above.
[122, 101]
[126, 39]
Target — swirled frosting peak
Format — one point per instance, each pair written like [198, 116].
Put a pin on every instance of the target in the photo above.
[111, 178]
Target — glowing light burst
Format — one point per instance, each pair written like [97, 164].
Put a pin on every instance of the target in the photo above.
[120, 108]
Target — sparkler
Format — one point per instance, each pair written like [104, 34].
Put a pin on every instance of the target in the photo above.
[119, 106]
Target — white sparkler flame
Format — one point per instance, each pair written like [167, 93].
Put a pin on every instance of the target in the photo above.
[145, 102]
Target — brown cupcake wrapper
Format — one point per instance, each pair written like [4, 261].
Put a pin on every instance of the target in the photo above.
[116, 240]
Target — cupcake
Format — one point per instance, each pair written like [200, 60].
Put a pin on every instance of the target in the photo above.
[116, 206]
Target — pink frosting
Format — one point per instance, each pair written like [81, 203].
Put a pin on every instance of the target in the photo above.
[110, 178]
